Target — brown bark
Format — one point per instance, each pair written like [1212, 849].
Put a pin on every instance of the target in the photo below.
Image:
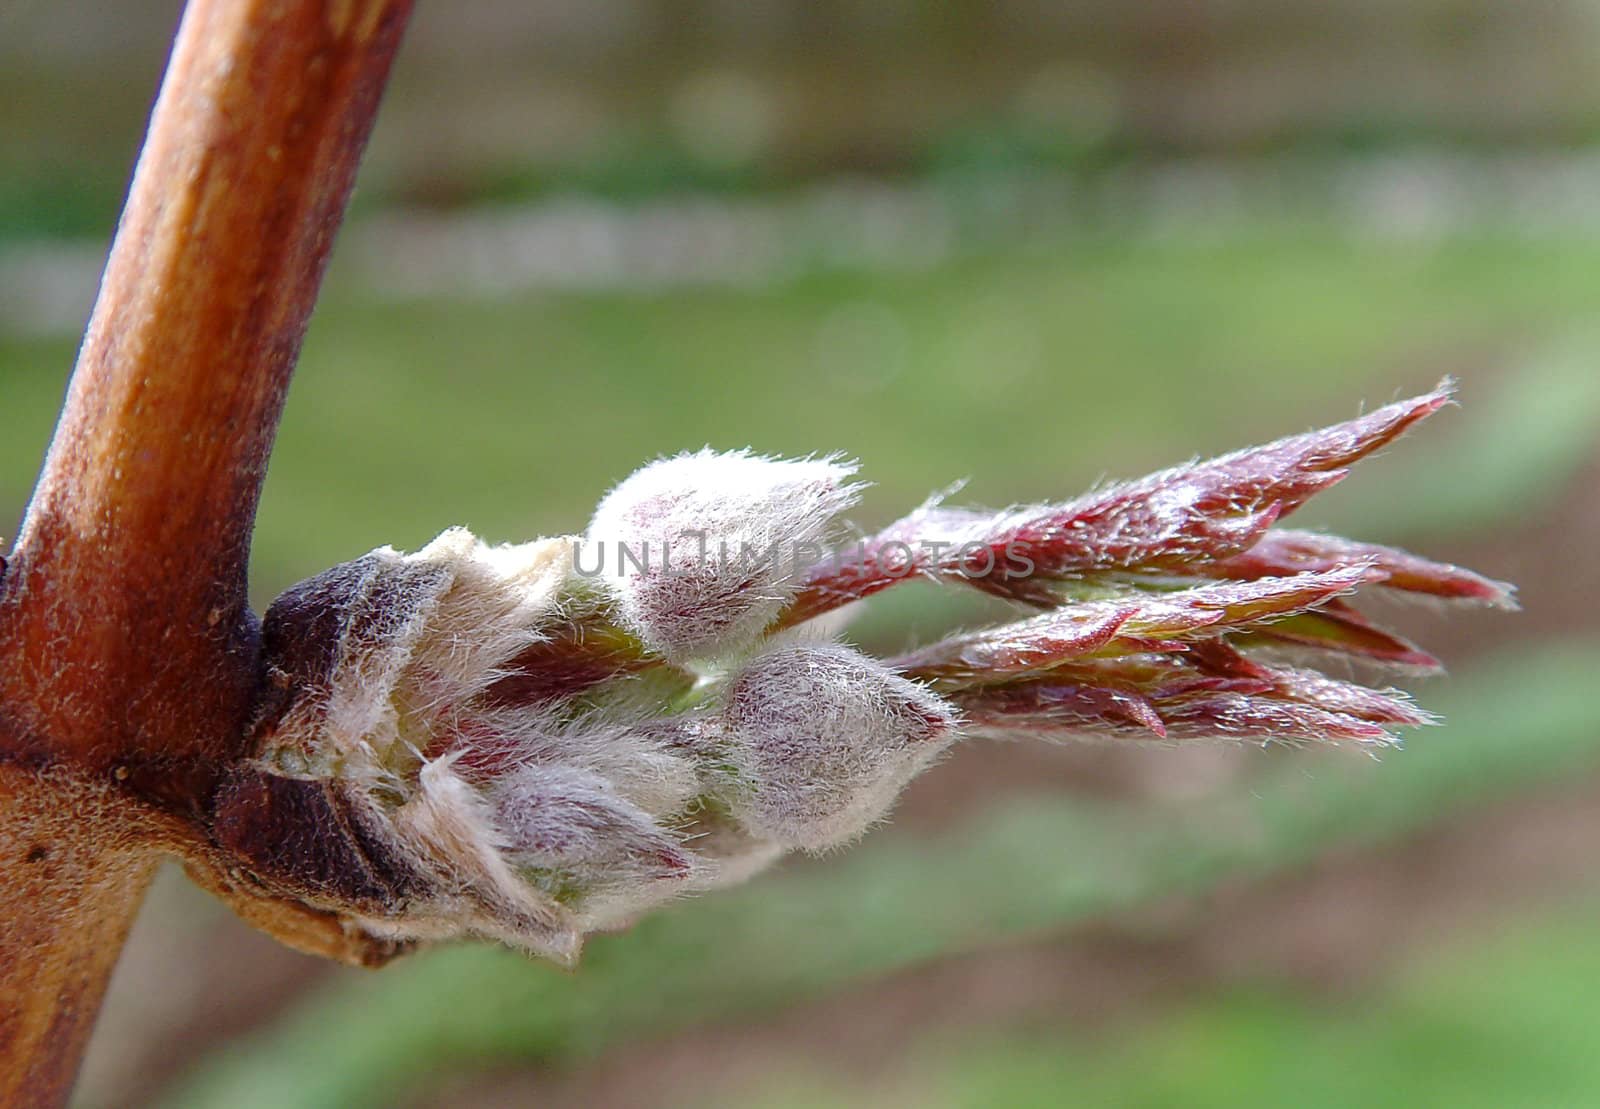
[127, 647]
[69, 900]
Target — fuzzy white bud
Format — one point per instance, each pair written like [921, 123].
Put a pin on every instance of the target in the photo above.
[400, 641]
[702, 550]
[822, 739]
[571, 824]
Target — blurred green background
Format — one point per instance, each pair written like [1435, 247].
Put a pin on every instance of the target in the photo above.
[1028, 244]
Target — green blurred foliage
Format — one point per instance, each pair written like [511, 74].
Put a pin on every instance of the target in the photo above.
[1479, 1024]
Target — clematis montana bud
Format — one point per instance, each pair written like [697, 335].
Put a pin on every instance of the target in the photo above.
[702, 550]
[571, 828]
[394, 784]
[525, 744]
[822, 739]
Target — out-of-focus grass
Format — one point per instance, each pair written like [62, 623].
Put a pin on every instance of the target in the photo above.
[1035, 373]
[1481, 1025]
[1005, 876]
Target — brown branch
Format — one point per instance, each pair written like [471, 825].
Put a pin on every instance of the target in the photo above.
[69, 898]
[127, 648]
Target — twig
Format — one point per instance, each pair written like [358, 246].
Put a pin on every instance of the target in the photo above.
[127, 647]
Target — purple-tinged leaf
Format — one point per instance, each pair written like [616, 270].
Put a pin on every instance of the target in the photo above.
[1285, 551]
[1173, 520]
[1338, 628]
[1140, 622]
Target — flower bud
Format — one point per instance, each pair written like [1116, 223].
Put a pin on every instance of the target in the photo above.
[450, 831]
[821, 740]
[373, 654]
[570, 823]
[394, 784]
[476, 740]
[702, 550]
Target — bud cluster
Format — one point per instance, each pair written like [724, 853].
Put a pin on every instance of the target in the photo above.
[489, 740]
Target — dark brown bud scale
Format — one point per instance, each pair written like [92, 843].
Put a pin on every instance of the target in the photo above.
[302, 839]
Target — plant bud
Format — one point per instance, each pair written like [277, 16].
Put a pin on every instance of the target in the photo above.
[370, 656]
[394, 784]
[821, 740]
[450, 830]
[570, 823]
[702, 550]
[475, 740]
